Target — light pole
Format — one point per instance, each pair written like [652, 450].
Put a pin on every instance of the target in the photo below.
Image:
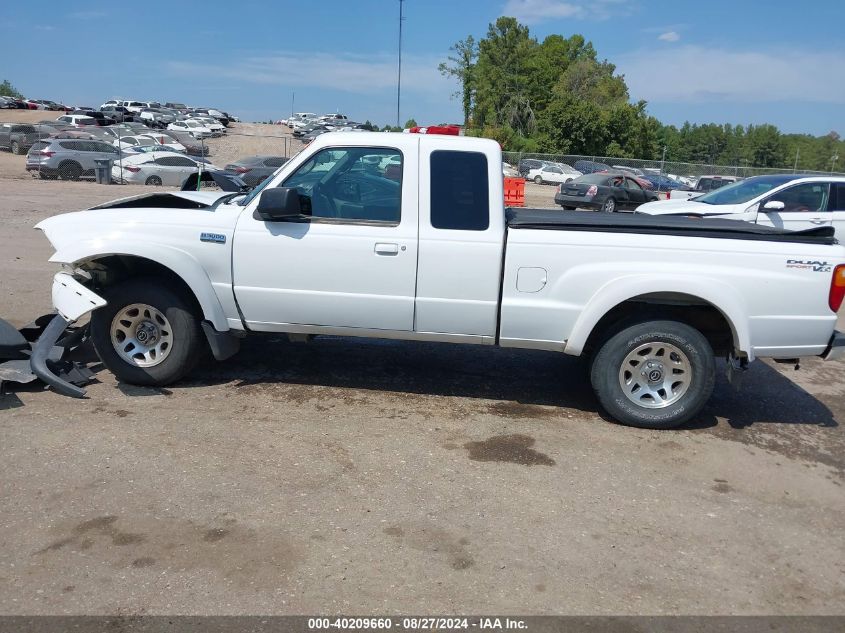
[833, 160]
[663, 161]
[399, 77]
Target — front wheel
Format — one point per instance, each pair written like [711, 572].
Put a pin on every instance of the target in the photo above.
[538, 180]
[147, 334]
[16, 148]
[654, 375]
[154, 181]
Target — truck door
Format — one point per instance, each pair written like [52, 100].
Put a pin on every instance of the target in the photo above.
[462, 229]
[354, 263]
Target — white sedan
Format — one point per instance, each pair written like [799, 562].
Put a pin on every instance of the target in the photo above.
[209, 122]
[129, 143]
[167, 141]
[788, 201]
[78, 120]
[194, 128]
[553, 174]
[156, 168]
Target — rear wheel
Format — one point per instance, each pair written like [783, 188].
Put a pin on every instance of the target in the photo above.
[153, 180]
[147, 334]
[655, 374]
[609, 205]
[44, 176]
[70, 170]
[568, 208]
[16, 148]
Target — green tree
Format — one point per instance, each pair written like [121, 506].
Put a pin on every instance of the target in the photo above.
[410, 123]
[590, 80]
[8, 90]
[500, 77]
[575, 127]
[461, 66]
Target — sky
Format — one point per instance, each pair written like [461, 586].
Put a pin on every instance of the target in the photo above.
[740, 61]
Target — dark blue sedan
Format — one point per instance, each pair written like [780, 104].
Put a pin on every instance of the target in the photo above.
[664, 183]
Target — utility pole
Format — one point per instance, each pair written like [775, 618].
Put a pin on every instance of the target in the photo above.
[797, 152]
[833, 160]
[663, 161]
[399, 78]
[292, 99]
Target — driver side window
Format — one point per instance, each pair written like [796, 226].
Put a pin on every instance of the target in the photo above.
[352, 184]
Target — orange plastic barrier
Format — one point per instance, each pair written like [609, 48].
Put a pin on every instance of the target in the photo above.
[514, 192]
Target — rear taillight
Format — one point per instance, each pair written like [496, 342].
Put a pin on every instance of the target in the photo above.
[560, 188]
[837, 288]
[668, 194]
[44, 152]
[241, 170]
[593, 190]
[132, 168]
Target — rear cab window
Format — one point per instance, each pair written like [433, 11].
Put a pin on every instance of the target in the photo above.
[460, 196]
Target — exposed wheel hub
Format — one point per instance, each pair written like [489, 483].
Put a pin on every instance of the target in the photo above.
[141, 335]
[655, 375]
[147, 333]
[653, 372]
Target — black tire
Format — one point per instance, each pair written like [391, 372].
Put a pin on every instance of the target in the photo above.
[610, 358]
[538, 180]
[70, 170]
[568, 208]
[44, 176]
[188, 345]
[155, 181]
[609, 205]
[16, 148]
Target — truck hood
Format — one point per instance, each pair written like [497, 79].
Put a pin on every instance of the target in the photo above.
[175, 219]
[169, 200]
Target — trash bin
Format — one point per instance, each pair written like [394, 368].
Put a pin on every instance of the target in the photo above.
[102, 170]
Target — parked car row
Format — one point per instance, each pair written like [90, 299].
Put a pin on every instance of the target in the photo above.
[307, 125]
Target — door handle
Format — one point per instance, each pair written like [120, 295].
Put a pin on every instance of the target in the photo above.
[818, 221]
[385, 248]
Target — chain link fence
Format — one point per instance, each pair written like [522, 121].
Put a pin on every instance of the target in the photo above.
[674, 169]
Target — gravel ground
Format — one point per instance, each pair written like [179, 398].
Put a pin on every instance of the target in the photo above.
[350, 476]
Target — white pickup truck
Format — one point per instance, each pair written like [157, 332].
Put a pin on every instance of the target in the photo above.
[703, 185]
[405, 236]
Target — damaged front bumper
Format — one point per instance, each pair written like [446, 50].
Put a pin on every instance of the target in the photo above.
[72, 301]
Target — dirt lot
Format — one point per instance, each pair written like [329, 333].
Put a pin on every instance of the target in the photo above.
[353, 476]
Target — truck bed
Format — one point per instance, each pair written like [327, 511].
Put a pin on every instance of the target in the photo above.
[545, 219]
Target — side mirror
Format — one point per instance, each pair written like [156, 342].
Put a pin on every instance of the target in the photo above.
[774, 205]
[279, 204]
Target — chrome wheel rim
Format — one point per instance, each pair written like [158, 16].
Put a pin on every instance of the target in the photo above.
[609, 206]
[141, 335]
[655, 375]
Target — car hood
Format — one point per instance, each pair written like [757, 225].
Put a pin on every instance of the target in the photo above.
[674, 207]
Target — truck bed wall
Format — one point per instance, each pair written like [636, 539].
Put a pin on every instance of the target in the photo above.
[775, 308]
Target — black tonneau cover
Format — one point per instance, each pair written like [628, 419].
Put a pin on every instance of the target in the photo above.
[596, 222]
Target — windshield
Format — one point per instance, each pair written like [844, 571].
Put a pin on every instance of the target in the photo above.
[744, 190]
